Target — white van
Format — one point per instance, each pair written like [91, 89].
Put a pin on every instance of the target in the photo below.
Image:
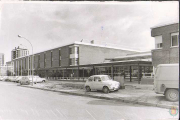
[166, 81]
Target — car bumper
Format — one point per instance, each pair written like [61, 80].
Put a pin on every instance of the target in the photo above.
[114, 88]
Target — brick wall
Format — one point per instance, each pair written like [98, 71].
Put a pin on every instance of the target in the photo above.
[42, 60]
[65, 56]
[55, 62]
[167, 54]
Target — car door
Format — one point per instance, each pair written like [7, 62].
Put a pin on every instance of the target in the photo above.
[90, 82]
[98, 83]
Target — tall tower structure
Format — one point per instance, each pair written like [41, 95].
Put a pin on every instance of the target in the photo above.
[19, 52]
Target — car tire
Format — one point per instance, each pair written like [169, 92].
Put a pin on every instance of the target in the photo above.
[88, 89]
[43, 81]
[20, 83]
[105, 89]
[172, 95]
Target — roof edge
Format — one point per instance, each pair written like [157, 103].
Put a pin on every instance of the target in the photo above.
[162, 25]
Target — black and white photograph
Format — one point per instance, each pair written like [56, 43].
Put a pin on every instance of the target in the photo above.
[89, 60]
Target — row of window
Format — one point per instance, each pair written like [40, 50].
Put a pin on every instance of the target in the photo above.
[72, 61]
[51, 59]
[174, 41]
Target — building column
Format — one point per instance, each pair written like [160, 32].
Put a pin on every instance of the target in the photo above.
[94, 70]
[112, 72]
[28, 65]
[21, 67]
[139, 73]
[18, 68]
[130, 72]
[83, 74]
[78, 72]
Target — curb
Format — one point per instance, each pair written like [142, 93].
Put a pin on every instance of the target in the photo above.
[108, 98]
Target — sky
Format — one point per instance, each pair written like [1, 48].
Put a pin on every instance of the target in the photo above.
[51, 24]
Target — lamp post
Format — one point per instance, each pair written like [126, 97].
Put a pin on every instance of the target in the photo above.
[28, 59]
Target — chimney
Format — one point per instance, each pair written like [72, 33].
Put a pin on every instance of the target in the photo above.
[92, 41]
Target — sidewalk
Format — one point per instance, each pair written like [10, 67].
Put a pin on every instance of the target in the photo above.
[133, 93]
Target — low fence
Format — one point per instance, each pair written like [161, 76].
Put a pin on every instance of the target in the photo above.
[68, 78]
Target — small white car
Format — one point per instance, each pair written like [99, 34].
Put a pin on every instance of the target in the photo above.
[37, 79]
[13, 78]
[101, 82]
[18, 78]
[24, 80]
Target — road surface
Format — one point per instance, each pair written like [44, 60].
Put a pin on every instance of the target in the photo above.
[20, 103]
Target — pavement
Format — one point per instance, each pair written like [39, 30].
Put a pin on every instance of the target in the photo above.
[133, 93]
[21, 103]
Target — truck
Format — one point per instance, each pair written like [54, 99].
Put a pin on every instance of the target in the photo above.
[166, 81]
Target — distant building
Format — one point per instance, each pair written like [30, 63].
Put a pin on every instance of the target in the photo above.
[19, 52]
[166, 44]
[1, 59]
[6, 70]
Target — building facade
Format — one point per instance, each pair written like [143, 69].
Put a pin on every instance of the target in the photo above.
[1, 59]
[18, 52]
[166, 44]
[75, 54]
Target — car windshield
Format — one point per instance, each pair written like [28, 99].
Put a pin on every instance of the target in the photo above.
[104, 78]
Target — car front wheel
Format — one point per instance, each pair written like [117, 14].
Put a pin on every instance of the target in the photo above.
[105, 89]
[172, 95]
[88, 89]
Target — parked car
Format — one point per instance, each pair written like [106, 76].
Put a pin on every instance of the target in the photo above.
[166, 81]
[13, 78]
[1, 78]
[7, 78]
[18, 78]
[101, 82]
[24, 80]
[37, 79]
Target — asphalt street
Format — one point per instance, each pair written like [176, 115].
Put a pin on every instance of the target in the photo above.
[20, 103]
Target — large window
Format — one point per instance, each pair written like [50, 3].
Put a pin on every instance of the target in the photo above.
[158, 42]
[174, 39]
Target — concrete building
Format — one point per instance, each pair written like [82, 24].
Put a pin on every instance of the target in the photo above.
[166, 44]
[1, 59]
[18, 52]
[74, 54]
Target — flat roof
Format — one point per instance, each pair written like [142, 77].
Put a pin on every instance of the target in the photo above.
[164, 24]
[175, 64]
[131, 56]
[82, 43]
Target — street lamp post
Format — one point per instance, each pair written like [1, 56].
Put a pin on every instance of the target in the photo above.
[28, 59]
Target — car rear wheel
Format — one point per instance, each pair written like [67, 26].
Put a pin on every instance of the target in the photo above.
[43, 81]
[88, 89]
[172, 95]
[105, 89]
